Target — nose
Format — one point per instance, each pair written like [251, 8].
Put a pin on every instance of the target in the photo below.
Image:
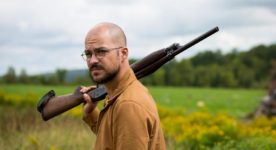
[93, 60]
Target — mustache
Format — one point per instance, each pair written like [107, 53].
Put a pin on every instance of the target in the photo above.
[95, 67]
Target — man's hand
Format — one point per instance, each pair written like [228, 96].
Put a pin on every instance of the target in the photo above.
[88, 105]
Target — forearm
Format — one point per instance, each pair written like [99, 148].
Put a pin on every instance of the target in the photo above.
[92, 119]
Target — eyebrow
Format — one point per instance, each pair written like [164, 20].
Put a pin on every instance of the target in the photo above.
[99, 48]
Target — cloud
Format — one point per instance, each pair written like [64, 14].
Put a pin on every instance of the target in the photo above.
[44, 35]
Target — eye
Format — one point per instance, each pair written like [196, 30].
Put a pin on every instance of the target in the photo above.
[100, 52]
[88, 54]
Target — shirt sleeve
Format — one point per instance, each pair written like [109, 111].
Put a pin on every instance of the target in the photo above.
[131, 127]
[92, 119]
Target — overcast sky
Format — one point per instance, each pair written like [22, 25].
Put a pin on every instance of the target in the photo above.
[43, 35]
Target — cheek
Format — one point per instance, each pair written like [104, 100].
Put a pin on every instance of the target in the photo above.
[114, 62]
[111, 62]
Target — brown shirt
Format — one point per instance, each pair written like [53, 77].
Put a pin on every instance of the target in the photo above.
[129, 119]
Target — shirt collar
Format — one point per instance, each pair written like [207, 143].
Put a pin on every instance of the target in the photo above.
[126, 80]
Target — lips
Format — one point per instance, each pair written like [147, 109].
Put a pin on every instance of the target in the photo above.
[95, 69]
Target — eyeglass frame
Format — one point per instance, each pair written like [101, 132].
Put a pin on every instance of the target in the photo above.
[99, 53]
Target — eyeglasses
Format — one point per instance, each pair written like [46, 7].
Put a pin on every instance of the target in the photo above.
[97, 52]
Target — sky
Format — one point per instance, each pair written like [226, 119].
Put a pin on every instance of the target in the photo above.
[41, 36]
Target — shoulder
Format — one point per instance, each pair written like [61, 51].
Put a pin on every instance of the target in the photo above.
[136, 91]
[137, 97]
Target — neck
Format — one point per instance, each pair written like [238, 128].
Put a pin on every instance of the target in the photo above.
[112, 85]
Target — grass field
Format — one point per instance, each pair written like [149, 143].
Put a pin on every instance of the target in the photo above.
[237, 102]
[22, 127]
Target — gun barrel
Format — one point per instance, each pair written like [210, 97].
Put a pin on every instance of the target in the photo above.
[152, 57]
[170, 53]
[195, 41]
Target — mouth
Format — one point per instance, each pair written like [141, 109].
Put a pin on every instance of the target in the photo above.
[95, 67]
[95, 70]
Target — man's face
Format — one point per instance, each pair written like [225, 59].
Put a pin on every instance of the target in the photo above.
[103, 68]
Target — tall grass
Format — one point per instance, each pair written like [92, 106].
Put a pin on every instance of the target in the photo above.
[23, 129]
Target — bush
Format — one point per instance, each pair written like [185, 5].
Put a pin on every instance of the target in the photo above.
[203, 130]
[18, 100]
[253, 143]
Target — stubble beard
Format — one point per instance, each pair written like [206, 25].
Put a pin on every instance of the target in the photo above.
[108, 76]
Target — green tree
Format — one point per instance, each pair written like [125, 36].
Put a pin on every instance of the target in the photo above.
[23, 77]
[60, 75]
[53, 80]
[226, 78]
[10, 76]
[245, 76]
[183, 74]
[207, 58]
[158, 77]
[203, 76]
[168, 75]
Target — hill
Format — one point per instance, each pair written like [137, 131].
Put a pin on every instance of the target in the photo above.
[73, 75]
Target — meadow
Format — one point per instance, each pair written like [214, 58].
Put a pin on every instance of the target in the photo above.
[192, 118]
[237, 102]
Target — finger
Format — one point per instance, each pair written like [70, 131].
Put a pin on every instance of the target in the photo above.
[88, 105]
[82, 89]
[87, 98]
[86, 89]
[92, 87]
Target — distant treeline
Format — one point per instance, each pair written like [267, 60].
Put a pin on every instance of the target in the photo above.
[45, 79]
[251, 68]
[247, 69]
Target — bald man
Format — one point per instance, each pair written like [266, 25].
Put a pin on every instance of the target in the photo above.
[129, 119]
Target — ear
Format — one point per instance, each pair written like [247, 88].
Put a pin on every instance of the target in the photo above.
[124, 54]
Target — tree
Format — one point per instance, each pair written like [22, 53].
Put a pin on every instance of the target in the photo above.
[208, 57]
[158, 77]
[23, 77]
[226, 78]
[60, 75]
[10, 76]
[53, 79]
[183, 74]
[168, 76]
[203, 76]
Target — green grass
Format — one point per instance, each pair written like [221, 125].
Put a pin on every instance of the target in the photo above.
[20, 89]
[22, 127]
[236, 102]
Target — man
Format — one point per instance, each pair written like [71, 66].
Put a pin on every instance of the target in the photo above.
[129, 119]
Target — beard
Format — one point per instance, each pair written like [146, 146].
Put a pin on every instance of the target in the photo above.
[107, 76]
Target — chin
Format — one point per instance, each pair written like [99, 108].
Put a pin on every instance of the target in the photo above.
[98, 79]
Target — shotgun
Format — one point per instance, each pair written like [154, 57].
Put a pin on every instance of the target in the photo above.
[51, 105]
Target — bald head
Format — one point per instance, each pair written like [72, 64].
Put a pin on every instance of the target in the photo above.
[110, 30]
